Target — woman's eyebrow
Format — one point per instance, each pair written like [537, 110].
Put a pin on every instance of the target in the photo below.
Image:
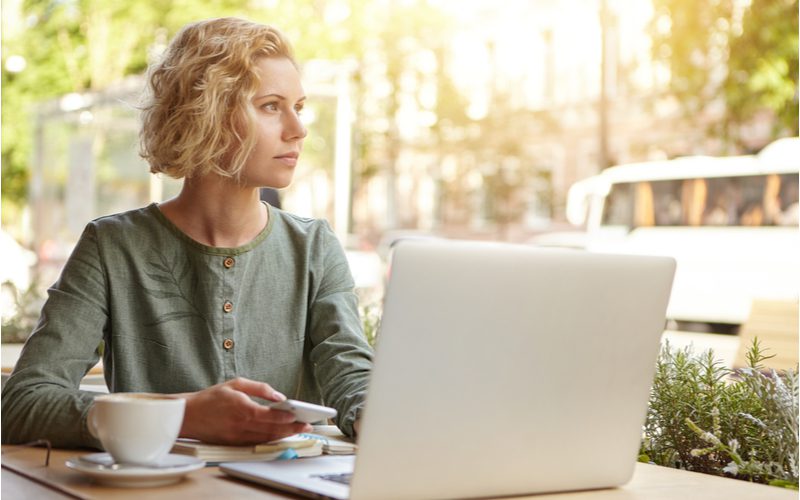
[265, 96]
[276, 96]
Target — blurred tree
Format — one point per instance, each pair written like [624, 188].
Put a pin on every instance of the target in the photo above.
[509, 170]
[744, 55]
[451, 139]
[392, 85]
[763, 68]
[691, 38]
[476, 165]
[69, 46]
[87, 45]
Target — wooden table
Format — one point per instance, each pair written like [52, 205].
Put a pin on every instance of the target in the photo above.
[25, 476]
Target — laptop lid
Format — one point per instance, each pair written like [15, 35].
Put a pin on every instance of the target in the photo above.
[504, 369]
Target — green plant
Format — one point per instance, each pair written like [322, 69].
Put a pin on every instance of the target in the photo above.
[707, 418]
[26, 306]
[371, 321]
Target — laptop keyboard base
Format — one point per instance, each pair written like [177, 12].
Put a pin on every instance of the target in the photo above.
[342, 478]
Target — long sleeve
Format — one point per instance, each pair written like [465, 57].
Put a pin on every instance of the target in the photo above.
[41, 399]
[341, 356]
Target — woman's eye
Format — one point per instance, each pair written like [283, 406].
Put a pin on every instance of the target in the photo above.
[270, 106]
[298, 109]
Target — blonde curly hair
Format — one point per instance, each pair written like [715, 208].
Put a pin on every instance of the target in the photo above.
[197, 116]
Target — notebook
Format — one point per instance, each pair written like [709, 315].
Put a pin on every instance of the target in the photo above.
[499, 370]
[288, 448]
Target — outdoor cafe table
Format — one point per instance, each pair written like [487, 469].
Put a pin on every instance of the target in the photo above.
[24, 476]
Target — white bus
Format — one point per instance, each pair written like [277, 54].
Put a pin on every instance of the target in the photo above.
[731, 223]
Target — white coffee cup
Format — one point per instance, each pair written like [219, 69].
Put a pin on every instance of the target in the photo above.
[136, 428]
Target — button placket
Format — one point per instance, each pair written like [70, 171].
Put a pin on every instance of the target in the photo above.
[227, 341]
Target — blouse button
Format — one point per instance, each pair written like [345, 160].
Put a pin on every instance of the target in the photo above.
[227, 344]
[227, 306]
[228, 262]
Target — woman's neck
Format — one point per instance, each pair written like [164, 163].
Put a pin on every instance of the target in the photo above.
[217, 212]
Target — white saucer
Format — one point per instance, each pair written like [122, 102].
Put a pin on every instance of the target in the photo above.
[172, 468]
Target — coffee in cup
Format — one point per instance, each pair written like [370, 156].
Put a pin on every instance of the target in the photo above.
[136, 428]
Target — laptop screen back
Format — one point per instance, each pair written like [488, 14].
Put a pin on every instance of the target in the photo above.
[504, 369]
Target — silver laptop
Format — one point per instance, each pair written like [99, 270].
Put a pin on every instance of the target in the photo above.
[500, 370]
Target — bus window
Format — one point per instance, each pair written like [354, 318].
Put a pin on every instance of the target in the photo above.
[749, 200]
[789, 200]
[752, 200]
[643, 210]
[780, 200]
[727, 200]
[693, 199]
[667, 202]
[618, 208]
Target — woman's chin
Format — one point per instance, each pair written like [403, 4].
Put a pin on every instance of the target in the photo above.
[271, 183]
[278, 185]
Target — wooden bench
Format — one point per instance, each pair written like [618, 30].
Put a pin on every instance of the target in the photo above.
[775, 323]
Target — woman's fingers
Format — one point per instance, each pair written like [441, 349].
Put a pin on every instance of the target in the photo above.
[225, 414]
[257, 389]
[266, 415]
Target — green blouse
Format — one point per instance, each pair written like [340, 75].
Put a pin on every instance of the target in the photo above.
[179, 316]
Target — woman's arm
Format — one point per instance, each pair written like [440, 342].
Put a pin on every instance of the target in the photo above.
[41, 399]
[341, 356]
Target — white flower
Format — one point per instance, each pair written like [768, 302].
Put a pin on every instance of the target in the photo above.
[731, 468]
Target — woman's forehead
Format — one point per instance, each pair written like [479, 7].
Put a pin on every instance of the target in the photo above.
[278, 76]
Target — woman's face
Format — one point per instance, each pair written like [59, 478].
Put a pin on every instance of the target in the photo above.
[278, 128]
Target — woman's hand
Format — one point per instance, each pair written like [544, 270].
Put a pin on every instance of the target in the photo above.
[225, 414]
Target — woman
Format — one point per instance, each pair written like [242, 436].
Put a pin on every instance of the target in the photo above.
[213, 295]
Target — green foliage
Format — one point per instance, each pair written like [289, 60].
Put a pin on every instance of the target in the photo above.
[763, 68]
[706, 418]
[691, 37]
[371, 321]
[27, 305]
[745, 55]
[68, 47]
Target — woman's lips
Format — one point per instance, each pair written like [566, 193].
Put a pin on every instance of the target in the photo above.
[288, 159]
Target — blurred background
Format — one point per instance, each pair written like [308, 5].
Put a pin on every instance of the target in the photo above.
[444, 119]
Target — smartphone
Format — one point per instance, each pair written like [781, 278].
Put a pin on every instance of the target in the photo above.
[308, 413]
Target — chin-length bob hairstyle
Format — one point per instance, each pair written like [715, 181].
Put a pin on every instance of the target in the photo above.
[197, 114]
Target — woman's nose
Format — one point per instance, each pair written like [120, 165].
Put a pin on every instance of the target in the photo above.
[295, 129]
